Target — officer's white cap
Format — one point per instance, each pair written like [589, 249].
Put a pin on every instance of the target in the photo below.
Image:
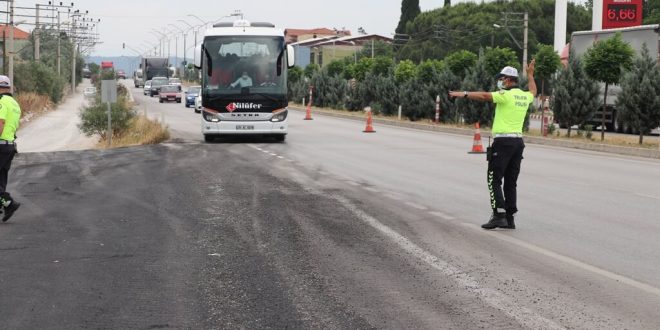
[508, 71]
[4, 81]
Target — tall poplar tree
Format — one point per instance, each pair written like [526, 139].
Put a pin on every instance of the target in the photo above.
[409, 10]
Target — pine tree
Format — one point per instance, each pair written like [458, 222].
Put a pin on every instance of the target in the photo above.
[447, 3]
[478, 79]
[409, 10]
[639, 101]
[575, 97]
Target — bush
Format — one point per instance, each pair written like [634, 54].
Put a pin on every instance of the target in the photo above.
[38, 78]
[94, 117]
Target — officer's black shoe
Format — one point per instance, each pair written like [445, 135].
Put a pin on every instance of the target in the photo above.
[497, 220]
[9, 210]
[510, 223]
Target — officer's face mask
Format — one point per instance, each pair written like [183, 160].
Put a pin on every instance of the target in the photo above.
[500, 84]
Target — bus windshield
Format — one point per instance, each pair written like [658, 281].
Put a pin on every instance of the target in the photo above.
[252, 66]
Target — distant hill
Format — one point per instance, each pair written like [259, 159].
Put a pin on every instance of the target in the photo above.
[126, 63]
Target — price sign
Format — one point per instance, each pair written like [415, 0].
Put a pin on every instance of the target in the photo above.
[621, 13]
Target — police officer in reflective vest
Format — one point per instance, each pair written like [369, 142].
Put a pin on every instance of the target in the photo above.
[10, 114]
[506, 153]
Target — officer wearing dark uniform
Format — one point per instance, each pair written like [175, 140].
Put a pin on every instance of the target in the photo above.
[506, 153]
[10, 114]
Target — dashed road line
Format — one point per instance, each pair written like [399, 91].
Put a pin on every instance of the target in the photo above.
[417, 206]
[373, 190]
[442, 215]
[579, 264]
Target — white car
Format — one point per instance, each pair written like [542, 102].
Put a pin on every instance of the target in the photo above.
[198, 103]
[89, 92]
[147, 88]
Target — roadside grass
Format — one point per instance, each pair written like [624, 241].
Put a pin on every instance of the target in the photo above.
[622, 140]
[33, 105]
[141, 131]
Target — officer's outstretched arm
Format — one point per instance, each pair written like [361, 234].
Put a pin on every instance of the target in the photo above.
[477, 96]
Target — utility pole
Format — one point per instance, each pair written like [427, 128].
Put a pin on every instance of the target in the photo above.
[73, 55]
[59, 46]
[524, 61]
[11, 45]
[36, 36]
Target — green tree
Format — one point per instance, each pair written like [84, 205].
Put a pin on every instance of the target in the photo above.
[94, 68]
[428, 70]
[547, 63]
[447, 3]
[94, 117]
[651, 11]
[605, 61]
[575, 96]
[311, 69]
[405, 71]
[409, 10]
[639, 100]
[387, 94]
[360, 69]
[39, 78]
[497, 58]
[460, 61]
[335, 68]
[382, 65]
[469, 26]
[479, 79]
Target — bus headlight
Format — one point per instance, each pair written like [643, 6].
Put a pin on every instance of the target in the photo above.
[210, 116]
[279, 116]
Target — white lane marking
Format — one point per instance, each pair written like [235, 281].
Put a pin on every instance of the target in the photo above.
[353, 183]
[599, 271]
[648, 196]
[272, 154]
[442, 215]
[495, 299]
[417, 206]
[373, 190]
[280, 157]
[215, 255]
[394, 197]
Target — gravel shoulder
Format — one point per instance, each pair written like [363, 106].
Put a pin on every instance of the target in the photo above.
[57, 130]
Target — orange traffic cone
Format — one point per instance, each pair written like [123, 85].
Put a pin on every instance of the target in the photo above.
[477, 146]
[369, 128]
[308, 115]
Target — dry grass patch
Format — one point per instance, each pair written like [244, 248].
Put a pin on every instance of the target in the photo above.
[33, 105]
[141, 131]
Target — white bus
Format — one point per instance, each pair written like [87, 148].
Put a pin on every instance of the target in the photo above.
[244, 80]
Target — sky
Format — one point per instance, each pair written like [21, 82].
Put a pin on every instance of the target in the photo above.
[130, 21]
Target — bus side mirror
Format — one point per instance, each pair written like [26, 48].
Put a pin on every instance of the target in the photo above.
[198, 57]
[290, 56]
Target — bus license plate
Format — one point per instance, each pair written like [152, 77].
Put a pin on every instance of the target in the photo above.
[244, 127]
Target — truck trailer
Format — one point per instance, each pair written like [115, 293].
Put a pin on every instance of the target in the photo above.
[152, 67]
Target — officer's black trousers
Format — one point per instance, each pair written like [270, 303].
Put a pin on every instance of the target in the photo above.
[7, 152]
[507, 154]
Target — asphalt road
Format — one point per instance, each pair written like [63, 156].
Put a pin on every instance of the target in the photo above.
[332, 229]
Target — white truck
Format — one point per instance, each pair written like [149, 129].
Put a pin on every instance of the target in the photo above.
[244, 80]
[636, 36]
